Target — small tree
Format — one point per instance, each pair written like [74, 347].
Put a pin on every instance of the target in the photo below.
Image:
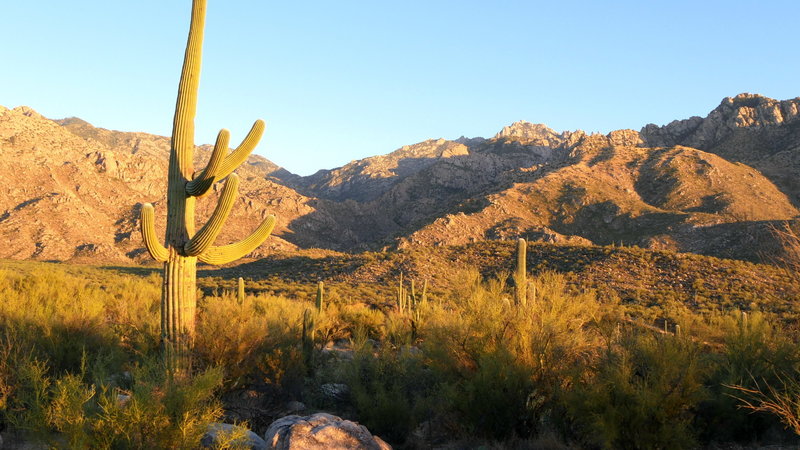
[184, 247]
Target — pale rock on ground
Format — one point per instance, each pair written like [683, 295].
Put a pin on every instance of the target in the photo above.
[321, 431]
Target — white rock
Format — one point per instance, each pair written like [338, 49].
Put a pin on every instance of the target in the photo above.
[321, 431]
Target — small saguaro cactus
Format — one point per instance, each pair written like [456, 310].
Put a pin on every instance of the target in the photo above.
[521, 274]
[320, 293]
[240, 291]
[402, 295]
[183, 246]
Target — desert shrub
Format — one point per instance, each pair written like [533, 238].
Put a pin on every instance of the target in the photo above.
[781, 400]
[283, 366]
[66, 411]
[364, 317]
[399, 330]
[506, 366]
[641, 394]
[755, 352]
[330, 325]
[59, 315]
[159, 413]
[493, 400]
[237, 336]
[392, 391]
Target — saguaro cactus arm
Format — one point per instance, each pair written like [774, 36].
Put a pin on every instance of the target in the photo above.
[206, 236]
[203, 181]
[227, 253]
[238, 156]
[151, 242]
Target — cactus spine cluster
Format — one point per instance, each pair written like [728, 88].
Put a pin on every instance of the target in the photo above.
[521, 274]
[183, 246]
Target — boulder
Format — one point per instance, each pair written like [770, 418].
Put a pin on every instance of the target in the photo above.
[321, 431]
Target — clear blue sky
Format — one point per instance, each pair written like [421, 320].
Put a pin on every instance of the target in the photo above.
[341, 80]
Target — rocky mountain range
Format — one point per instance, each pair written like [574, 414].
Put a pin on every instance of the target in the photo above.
[713, 185]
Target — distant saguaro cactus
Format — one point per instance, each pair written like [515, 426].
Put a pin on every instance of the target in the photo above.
[402, 296]
[320, 294]
[521, 274]
[240, 291]
[184, 247]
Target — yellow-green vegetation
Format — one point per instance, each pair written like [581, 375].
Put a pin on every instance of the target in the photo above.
[80, 366]
[645, 280]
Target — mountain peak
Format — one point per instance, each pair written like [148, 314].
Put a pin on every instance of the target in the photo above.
[27, 111]
[67, 121]
[526, 130]
[754, 110]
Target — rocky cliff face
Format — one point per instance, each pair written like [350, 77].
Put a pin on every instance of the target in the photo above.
[710, 185]
[745, 111]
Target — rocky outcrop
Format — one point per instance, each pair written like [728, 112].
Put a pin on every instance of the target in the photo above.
[625, 138]
[743, 111]
[532, 134]
[321, 431]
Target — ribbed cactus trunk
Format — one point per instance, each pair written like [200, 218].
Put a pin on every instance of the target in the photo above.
[179, 291]
[184, 247]
[521, 274]
[178, 303]
[320, 296]
[240, 291]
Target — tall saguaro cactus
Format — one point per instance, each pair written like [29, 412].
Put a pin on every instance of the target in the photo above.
[184, 247]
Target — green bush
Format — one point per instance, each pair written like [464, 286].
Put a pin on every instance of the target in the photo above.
[507, 366]
[236, 336]
[66, 411]
[392, 391]
[756, 351]
[641, 394]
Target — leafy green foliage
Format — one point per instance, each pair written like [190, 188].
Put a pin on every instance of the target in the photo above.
[641, 393]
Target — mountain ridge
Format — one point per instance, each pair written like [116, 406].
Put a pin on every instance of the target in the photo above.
[649, 188]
